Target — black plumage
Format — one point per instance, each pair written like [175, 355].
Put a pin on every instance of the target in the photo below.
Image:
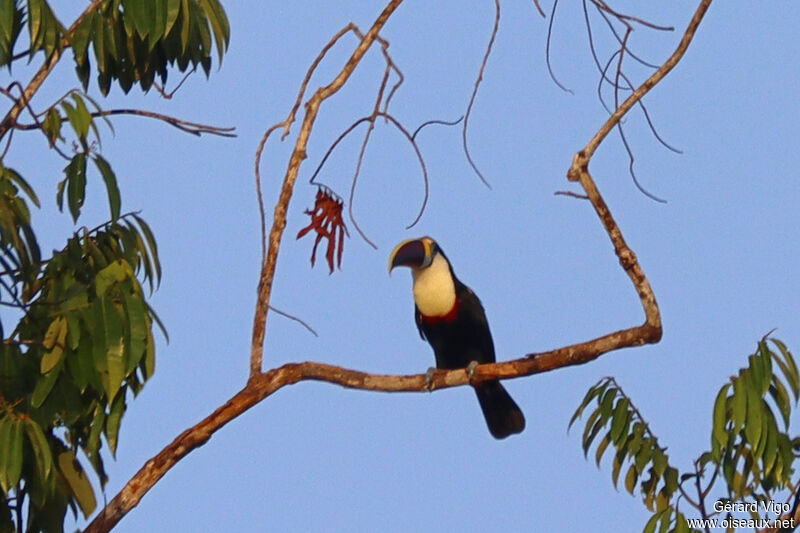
[460, 337]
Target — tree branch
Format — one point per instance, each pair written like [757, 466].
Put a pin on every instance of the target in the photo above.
[195, 128]
[36, 82]
[643, 89]
[296, 159]
[263, 384]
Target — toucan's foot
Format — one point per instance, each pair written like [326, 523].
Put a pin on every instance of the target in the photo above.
[471, 371]
[429, 378]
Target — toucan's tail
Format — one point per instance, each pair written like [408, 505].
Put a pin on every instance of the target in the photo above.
[503, 415]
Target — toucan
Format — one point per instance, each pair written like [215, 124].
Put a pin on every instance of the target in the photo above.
[451, 318]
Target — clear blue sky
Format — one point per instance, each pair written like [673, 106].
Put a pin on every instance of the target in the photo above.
[721, 255]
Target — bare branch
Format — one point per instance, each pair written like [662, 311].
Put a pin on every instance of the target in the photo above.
[296, 319]
[263, 384]
[296, 159]
[287, 125]
[648, 84]
[195, 128]
[411, 139]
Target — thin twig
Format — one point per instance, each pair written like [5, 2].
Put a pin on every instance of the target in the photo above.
[390, 67]
[169, 95]
[411, 139]
[286, 124]
[195, 128]
[475, 92]
[571, 194]
[295, 160]
[547, 50]
[626, 19]
[648, 84]
[538, 7]
[36, 125]
[292, 317]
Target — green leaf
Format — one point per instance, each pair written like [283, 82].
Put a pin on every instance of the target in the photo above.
[41, 449]
[592, 393]
[606, 405]
[789, 369]
[113, 423]
[152, 247]
[52, 126]
[111, 185]
[770, 452]
[644, 454]
[619, 459]
[756, 372]
[752, 428]
[620, 420]
[593, 426]
[781, 398]
[149, 365]
[78, 482]
[630, 479]
[601, 449]
[173, 9]
[137, 328]
[650, 526]
[11, 447]
[52, 333]
[719, 433]
[219, 25]
[766, 363]
[16, 179]
[79, 39]
[51, 359]
[739, 405]
[186, 24]
[35, 10]
[7, 9]
[659, 462]
[45, 384]
[96, 429]
[80, 118]
[57, 345]
[73, 328]
[116, 272]
[5, 447]
[671, 480]
[681, 525]
[115, 354]
[99, 46]
[158, 23]
[76, 184]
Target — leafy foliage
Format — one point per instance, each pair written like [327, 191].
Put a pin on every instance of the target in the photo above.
[131, 41]
[81, 345]
[84, 341]
[751, 451]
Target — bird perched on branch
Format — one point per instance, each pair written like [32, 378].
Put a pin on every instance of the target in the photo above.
[451, 318]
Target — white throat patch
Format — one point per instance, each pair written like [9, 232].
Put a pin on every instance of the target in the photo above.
[434, 289]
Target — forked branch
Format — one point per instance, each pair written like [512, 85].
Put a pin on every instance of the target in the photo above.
[263, 384]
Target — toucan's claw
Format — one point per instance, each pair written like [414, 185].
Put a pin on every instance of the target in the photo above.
[429, 378]
[471, 371]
